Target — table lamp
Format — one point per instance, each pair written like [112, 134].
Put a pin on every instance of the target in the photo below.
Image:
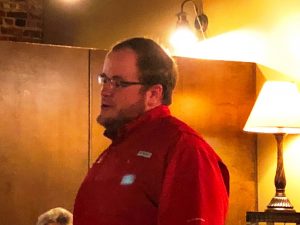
[277, 111]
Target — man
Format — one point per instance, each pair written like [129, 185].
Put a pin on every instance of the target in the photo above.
[56, 216]
[157, 170]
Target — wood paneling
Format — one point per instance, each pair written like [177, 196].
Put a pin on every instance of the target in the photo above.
[43, 128]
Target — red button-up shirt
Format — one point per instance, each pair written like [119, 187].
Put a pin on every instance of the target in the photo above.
[157, 171]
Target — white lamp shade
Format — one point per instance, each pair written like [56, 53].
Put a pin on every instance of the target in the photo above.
[276, 110]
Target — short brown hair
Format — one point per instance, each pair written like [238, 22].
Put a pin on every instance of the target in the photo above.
[154, 64]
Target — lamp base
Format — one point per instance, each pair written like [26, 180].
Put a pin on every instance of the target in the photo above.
[280, 204]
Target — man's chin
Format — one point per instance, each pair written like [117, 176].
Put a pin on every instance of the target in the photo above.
[107, 122]
[101, 120]
[112, 123]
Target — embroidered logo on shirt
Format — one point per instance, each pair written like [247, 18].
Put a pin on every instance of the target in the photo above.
[144, 154]
[127, 179]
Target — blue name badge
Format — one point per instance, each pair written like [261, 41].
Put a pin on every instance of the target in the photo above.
[128, 179]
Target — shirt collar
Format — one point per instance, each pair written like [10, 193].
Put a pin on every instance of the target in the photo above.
[157, 112]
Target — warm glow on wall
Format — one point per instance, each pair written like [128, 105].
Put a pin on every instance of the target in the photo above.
[282, 50]
[192, 105]
[292, 155]
[240, 45]
[269, 46]
[291, 32]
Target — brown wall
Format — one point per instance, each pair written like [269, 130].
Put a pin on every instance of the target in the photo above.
[43, 128]
[49, 99]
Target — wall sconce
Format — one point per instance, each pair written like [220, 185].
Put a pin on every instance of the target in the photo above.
[277, 111]
[184, 33]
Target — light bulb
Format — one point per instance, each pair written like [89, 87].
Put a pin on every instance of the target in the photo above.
[183, 38]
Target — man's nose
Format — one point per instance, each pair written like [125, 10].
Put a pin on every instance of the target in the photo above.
[107, 89]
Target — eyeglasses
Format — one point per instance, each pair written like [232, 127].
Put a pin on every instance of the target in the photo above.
[116, 82]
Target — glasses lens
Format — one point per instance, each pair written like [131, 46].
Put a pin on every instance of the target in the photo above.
[102, 79]
[99, 79]
[114, 82]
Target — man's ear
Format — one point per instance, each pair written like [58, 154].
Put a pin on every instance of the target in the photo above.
[154, 96]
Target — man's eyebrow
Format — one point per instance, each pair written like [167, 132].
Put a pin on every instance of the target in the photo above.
[113, 77]
[117, 76]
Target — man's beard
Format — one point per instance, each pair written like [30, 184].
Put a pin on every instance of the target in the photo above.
[112, 124]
